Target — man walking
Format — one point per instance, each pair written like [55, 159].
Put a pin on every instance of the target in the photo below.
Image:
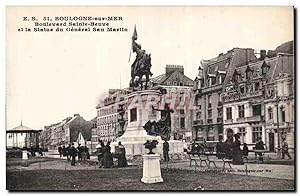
[73, 154]
[285, 149]
[166, 151]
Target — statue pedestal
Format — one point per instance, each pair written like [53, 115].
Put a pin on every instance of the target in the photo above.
[135, 135]
[24, 155]
[151, 169]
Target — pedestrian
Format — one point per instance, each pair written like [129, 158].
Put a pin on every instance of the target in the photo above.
[68, 152]
[245, 150]
[220, 153]
[73, 154]
[83, 153]
[285, 149]
[79, 150]
[87, 151]
[259, 146]
[100, 151]
[166, 151]
[237, 155]
[60, 151]
[64, 151]
[122, 162]
[107, 157]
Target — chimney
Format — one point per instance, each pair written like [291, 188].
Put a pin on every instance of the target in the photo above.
[263, 54]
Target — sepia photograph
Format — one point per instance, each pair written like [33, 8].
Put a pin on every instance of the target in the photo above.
[150, 98]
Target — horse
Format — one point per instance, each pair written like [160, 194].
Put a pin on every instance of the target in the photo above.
[142, 68]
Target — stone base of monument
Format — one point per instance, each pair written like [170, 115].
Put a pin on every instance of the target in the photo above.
[24, 154]
[151, 169]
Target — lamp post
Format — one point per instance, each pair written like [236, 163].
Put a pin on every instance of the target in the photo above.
[278, 129]
[121, 120]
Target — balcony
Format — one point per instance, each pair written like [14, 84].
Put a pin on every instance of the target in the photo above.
[228, 121]
[197, 122]
[241, 120]
[209, 105]
[256, 118]
[234, 96]
[220, 119]
[209, 121]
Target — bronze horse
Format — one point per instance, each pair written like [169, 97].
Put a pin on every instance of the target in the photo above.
[141, 68]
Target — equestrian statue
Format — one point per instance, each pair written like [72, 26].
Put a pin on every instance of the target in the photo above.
[140, 67]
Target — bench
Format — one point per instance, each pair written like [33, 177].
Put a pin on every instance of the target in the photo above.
[223, 159]
[197, 157]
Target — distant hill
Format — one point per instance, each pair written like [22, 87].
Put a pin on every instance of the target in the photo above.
[287, 47]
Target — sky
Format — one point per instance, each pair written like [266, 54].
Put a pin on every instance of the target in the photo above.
[53, 75]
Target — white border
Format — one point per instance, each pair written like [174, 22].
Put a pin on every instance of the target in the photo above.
[5, 3]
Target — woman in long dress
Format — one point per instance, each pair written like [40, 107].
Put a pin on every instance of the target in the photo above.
[122, 162]
[237, 155]
[107, 158]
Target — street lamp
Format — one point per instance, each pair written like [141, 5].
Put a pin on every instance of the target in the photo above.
[121, 120]
[278, 129]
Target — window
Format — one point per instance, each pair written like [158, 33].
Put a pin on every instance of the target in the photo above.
[181, 111]
[256, 133]
[241, 111]
[270, 113]
[242, 89]
[256, 86]
[209, 98]
[211, 134]
[209, 113]
[282, 111]
[199, 134]
[256, 110]
[181, 96]
[213, 80]
[133, 115]
[182, 123]
[229, 113]
[198, 115]
[209, 101]
[220, 113]
[220, 79]
[219, 97]
[242, 133]
[209, 81]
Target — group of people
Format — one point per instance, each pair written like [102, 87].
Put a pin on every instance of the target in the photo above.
[105, 157]
[71, 152]
[231, 149]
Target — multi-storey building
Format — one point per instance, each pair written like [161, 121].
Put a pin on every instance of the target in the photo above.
[243, 101]
[66, 132]
[208, 118]
[253, 98]
[279, 103]
[108, 126]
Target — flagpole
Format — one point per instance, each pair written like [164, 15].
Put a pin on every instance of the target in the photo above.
[130, 53]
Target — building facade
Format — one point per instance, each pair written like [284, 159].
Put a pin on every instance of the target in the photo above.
[108, 126]
[66, 132]
[209, 84]
[253, 99]
[280, 103]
